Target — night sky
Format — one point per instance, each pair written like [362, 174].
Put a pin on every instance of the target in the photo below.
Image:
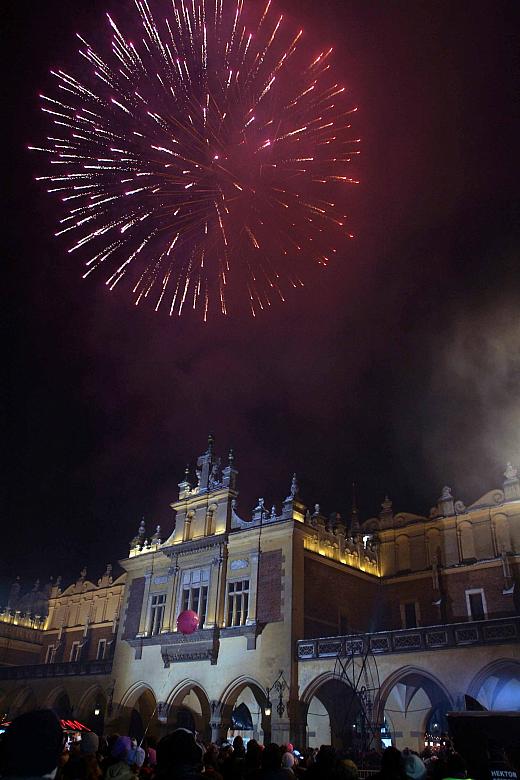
[399, 369]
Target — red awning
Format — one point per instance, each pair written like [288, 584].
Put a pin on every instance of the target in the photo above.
[67, 725]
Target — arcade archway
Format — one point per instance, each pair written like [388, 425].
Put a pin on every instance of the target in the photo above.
[411, 701]
[497, 685]
[22, 700]
[188, 707]
[92, 709]
[138, 713]
[333, 713]
[242, 711]
[59, 702]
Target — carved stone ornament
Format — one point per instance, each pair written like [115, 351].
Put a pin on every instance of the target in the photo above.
[510, 472]
[239, 564]
[162, 711]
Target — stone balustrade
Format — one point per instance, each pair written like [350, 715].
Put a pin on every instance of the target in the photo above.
[424, 638]
[60, 669]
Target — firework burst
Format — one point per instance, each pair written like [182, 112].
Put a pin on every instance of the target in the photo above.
[205, 160]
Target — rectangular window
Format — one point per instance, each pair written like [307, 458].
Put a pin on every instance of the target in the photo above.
[194, 593]
[238, 602]
[410, 615]
[75, 651]
[50, 654]
[101, 649]
[157, 613]
[476, 604]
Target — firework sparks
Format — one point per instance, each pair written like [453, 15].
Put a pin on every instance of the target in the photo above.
[205, 163]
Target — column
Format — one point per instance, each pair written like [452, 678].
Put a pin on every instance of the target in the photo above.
[219, 723]
[219, 731]
[280, 728]
[143, 623]
[217, 579]
[171, 600]
[253, 580]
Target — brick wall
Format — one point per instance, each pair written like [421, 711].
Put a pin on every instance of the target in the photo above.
[68, 638]
[454, 585]
[47, 640]
[95, 634]
[337, 601]
[414, 590]
[270, 584]
[133, 608]
[491, 580]
[13, 655]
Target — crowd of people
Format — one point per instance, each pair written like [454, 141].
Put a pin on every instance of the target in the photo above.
[34, 746]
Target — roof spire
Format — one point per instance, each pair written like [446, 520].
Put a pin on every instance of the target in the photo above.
[211, 441]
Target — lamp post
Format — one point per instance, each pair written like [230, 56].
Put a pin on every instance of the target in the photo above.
[279, 686]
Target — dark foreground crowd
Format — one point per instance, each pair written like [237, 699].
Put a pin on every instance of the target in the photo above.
[34, 747]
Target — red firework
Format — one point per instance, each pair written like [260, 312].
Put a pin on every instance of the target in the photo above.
[205, 159]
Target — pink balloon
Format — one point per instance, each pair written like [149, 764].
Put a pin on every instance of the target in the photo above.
[187, 622]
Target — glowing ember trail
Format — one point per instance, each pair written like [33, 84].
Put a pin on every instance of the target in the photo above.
[206, 160]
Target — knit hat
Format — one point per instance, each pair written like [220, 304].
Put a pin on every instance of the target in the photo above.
[89, 743]
[135, 755]
[32, 745]
[179, 747]
[120, 748]
[414, 768]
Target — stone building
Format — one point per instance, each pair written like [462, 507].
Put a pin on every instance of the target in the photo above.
[61, 656]
[310, 627]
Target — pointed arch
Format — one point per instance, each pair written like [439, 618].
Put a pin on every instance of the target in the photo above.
[503, 672]
[94, 693]
[316, 684]
[22, 700]
[182, 688]
[137, 712]
[234, 689]
[58, 700]
[251, 692]
[133, 693]
[408, 700]
[188, 705]
[92, 707]
[414, 675]
[332, 711]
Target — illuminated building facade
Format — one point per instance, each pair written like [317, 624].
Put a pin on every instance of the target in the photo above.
[310, 627]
